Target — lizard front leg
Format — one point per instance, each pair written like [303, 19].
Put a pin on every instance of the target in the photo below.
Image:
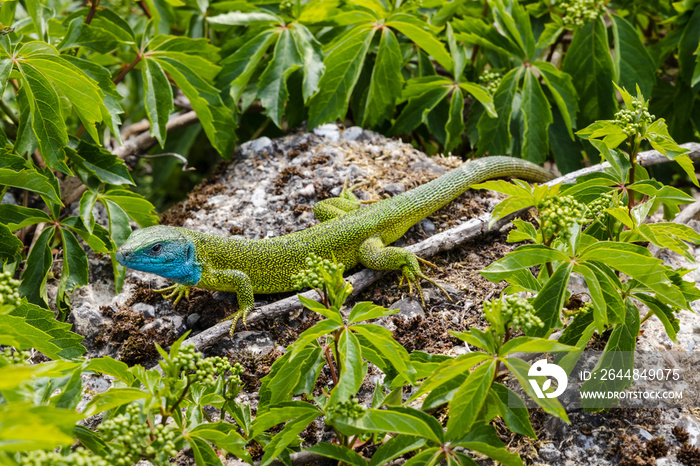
[178, 291]
[375, 255]
[238, 282]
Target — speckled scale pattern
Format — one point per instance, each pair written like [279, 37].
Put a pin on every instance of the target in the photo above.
[270, 263]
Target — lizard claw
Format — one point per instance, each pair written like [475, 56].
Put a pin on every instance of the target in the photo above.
[178, 290]
[241, 314]
[413, 277]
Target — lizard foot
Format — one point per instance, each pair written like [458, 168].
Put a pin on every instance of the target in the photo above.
[413, 277]
[178, 291]
[241, 314]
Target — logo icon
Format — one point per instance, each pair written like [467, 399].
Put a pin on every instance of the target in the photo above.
[543, 368]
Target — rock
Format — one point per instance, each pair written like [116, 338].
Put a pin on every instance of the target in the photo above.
[9, 198]
[148, 311]
[644, 434]
[394, 188]
[428, 226]
[329, 131]
[192, 320]
[263, 144]
[307, 191]
[255, 341]
[352, 133]
[87, 321]
[549, 453]
[258, 198]
[692, 426]
[409, 308]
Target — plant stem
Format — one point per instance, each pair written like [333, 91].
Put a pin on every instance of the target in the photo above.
[128, 68]
[8, 111]
[334, 376]
[634, 149]
[93, 10]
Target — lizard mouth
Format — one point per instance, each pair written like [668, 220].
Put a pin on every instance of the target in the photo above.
[122, 256]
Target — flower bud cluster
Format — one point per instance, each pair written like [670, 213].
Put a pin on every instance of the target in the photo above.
[12, 356]
[491, 80]
[79, 457]
[132, 439]
[515, 311]
[312, 276]
[579, 12]
[558, 213]
[9, 290]
[351, 408]
[599, 205]
[204, 370]
[636, 119]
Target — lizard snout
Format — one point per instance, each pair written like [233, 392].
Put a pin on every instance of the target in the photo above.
[122, 255]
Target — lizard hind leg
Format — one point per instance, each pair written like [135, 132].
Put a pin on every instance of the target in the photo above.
[375, 255]
[337, 206]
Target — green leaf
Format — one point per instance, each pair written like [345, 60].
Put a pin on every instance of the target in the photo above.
[417, 110]
[204, 454]
[24, 427]
[386, 81]
[408, 421]
[527, 255]
[661, 140]
[158, 98]
[563, 92]
[238, 18]
[39, 263]
[224, 436]
[494, 132]
[312, 58]
[519, 369]
[383, 342]
[422, 35]
[238, 68]
[282, 412]
[352, 368]
[512, 409]
[515, 23]
[480, 33]
[687, 46]
[90, 160]
[272, 86]
[215, 117]
[607, 303]
[480, 94]
[444, 393]
[633, 63]
[315, 306]
[325, 327]
[41, 123]
[550, 300]
[110, 366]
[114, 398]
[60, 334]
[16, 217]
[5, 70]
[537, 117]
[638, 263]
[75, 264]
[367, 310]
[590, 65]
[663, 312]
[281, 440]
[10, 245]
[395, 447]
[532, 345]
[17, 332]
[30, 180]
[343, 66]
[135, 205]
[455, 123]
[470, 397]
[338, 452]
[447, 371]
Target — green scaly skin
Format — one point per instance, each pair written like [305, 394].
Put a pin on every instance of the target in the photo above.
[348, 234]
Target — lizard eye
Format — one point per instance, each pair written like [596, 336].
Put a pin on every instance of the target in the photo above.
[156, 247]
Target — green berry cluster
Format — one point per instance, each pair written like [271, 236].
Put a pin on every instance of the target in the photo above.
[599, 205]
[558, 213]
[515, 311]
[491, 80]
[579, 12]
[79, 457]
[203, 370]
[351, 408]
[132, 439]
[12, 356]
[636, 119]
[312, 276]
[9, 290]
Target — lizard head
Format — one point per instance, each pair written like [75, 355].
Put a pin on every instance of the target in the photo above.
[162, 250]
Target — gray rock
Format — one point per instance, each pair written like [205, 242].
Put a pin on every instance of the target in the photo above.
[148, 311]
[428, 226]
[394, 188]
[258, 145]
[307, 191]
[352, 133]
[9, 198]
[87, 321]
[258, 198]
[644, 434]
[253, 341]
[329, 131]
[549, 453]
[409, 308]
[192, 320]
[692, 426]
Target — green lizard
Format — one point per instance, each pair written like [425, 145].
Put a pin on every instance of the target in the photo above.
[347, 233]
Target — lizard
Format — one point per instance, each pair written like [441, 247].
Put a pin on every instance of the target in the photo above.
[346, 233]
